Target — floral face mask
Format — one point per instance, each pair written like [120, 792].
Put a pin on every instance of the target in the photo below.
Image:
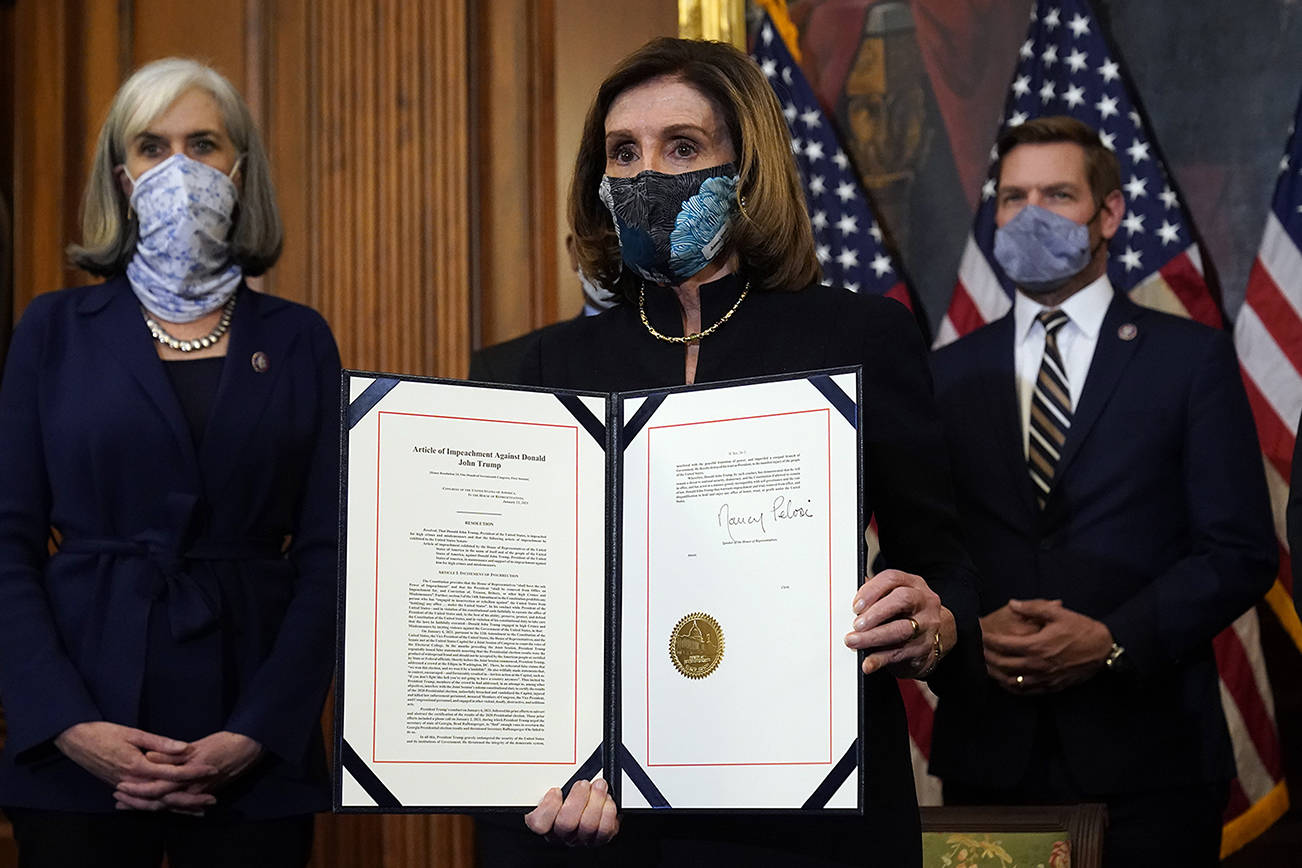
[182, 266]
[672, 226]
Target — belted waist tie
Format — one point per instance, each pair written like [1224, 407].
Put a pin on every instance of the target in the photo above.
[193, 600]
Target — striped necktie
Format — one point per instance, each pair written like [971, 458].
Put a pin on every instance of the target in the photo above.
[1050, 409]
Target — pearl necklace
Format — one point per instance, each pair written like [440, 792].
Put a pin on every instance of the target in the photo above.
[692, 338]
[193, 344]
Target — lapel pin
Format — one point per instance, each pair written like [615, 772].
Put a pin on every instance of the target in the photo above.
[262, 364]
[1128, 331]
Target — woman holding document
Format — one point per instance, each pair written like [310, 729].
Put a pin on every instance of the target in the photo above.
[168, 441]
[686, 198]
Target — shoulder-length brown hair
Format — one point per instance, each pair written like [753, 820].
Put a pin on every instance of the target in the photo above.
[771, 235]
[108, 231]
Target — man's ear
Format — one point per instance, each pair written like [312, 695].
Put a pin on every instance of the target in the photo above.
[1111, 212]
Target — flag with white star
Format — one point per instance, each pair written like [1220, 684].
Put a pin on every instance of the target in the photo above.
[847, 236]
[1066, 68]
[1268, 336]
[850, 248]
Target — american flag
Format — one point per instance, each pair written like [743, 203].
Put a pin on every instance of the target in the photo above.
[1268, 335]
[1065, 67]
[850, 248]
[847, 236]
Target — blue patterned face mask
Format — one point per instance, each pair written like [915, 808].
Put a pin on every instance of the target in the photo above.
[1040, 250]
[182, 269]
[672, 226]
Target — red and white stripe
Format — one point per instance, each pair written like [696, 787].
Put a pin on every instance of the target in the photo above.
[978, 298]
[1268, 337]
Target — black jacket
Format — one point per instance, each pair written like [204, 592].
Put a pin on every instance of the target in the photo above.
[908, 490]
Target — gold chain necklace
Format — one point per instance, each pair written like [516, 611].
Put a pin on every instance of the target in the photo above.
[693, 338]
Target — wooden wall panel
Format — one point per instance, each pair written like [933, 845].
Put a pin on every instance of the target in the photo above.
[367, 120]
[96, 63]
[537, 67]
[44, 195]
[287, 127]
[366, 108]
[8, 72]
[446, 213]
[372, 163]
[591, 36]
[210, 32]
[515, 213]
[7, 75]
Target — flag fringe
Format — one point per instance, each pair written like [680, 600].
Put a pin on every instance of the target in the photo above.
[1282, 605]
[1255, 820]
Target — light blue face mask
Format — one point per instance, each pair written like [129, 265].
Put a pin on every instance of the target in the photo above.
[1040, 250]
[182, 266]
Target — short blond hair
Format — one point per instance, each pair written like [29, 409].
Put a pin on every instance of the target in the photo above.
[772, 236]
[108, 232]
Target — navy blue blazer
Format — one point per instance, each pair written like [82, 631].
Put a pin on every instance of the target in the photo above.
[1158, 525]
[94, 445]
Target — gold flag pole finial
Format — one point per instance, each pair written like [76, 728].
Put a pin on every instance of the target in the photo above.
[724, 20]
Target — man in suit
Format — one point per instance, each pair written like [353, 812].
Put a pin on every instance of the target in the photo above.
[1112, 495]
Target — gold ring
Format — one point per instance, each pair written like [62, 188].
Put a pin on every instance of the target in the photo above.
[917, 628]
[1021, 679]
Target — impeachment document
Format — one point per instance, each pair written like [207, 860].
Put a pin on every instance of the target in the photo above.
[539, 587]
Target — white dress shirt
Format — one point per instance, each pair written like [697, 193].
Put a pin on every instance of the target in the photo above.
[1076, 341]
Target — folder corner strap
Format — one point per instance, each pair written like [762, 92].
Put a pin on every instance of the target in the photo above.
[641, 779]
[837, 397]
[371, 395]
[835, 778]
[366, 778]
[590, 767]
[642, 416]
[584, 417]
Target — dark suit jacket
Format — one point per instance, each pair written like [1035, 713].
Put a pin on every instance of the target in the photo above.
[501, 363]
[907, 488]
[1158, 525]
[93, 443]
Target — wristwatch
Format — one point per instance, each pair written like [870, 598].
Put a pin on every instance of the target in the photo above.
[1115, 661]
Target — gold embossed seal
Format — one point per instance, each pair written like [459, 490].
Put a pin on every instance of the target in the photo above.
[696, 645]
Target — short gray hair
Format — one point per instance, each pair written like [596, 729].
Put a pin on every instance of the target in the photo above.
[109, 233]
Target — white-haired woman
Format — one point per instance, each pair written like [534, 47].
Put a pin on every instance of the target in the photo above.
[167, 532]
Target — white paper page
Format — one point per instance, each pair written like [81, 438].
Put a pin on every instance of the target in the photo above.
[741, 517]
[475, 593]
